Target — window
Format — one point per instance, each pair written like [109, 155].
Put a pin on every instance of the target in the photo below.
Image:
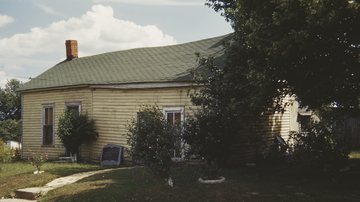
[304, 122]
[48, 125]
[175, 116]
[75, 107]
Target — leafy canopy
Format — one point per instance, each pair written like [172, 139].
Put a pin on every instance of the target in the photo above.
[307, 47]
[10, 129]
[10, 111]
[10, 101]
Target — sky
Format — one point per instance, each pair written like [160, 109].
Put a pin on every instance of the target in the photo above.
[33, 32]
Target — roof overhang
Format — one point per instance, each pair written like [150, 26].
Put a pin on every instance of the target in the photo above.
[121, 86]
[126, 86]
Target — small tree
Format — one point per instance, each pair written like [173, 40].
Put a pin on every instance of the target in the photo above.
[37, 160]
[76, 129]
[152, 140]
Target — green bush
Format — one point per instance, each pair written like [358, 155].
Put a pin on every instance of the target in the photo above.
[152, 140]
[320, 145]
[75, 129]
[6, 154]
[206, 136]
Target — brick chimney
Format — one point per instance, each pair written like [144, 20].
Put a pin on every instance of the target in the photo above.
[71, 49]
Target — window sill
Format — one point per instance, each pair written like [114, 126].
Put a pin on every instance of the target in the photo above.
[45, 145]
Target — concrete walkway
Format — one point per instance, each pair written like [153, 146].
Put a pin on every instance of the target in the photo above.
[30, 194]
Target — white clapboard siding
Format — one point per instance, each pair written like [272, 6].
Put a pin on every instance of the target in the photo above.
[114, 109]
[32, 104]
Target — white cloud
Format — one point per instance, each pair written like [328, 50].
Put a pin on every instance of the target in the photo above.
[4, 78]
[5, 19]
[159, 2]
[49, 10]
[97, 31]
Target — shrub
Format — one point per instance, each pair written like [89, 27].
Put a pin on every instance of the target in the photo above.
[213, 135]
[6, 154]
[279, 151]
[152, 140]
[37, 160]
[75, 129]
[320, 145]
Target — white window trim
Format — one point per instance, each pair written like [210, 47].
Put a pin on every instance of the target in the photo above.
[45, 106]
[174, 109]
[182, 117]
[72, 104]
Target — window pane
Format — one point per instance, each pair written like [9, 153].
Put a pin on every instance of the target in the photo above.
[169, 118]
[177, 118]
[48, 116]
[48, 126]
[48, 134]
[74, 109]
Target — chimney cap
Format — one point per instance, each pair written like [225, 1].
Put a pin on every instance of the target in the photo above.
[71, 41]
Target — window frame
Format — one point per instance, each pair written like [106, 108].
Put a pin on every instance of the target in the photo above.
[174, 110]
[43, 121]
[180, 109]
[73, 104]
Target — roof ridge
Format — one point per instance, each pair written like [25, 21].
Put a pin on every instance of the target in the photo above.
[153, 47]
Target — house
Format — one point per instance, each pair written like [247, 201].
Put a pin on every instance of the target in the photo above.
[111, 87]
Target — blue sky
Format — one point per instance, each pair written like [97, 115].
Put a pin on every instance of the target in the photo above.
[33, 32]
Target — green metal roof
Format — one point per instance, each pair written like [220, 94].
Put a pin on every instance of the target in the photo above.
[141, 65]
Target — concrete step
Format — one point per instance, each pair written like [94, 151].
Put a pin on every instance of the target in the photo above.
[31, 193]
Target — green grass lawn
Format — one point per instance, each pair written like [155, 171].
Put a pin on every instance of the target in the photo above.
[20, 174]
[260, 183]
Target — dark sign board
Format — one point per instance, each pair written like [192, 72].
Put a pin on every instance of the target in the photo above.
[111, 155]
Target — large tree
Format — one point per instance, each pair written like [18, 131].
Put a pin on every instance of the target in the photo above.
[10, 101]
[10, 111]
[307, 47]
[310, 48]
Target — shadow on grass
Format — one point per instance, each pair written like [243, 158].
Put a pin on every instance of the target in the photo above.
[261, 183]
